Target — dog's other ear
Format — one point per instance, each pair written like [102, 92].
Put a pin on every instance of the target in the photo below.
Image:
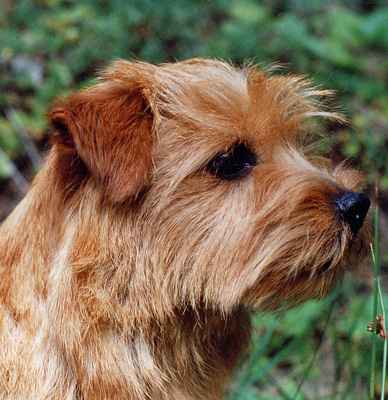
[109, 126]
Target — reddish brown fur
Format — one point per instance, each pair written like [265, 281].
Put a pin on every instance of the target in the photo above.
[128, 271]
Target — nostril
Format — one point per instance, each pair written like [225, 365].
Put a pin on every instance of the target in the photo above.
[353, 208]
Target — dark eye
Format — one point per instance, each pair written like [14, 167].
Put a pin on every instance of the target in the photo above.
[235, 163]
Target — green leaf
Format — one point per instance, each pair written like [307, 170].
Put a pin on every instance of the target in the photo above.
[5, 166]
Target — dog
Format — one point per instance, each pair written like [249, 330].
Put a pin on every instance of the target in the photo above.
[175, 199]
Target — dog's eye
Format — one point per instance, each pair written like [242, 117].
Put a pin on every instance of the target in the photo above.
[235, 163]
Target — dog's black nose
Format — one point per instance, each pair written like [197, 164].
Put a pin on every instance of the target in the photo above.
[353, 208]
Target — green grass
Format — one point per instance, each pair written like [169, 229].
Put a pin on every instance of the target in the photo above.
[288, 351]
[378, 304]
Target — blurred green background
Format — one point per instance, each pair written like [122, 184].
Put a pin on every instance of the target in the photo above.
[320, 350]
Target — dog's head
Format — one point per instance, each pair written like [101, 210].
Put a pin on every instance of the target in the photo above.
[208, 161]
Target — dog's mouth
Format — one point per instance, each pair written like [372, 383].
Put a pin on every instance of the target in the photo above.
[314, 267]
[353, 252]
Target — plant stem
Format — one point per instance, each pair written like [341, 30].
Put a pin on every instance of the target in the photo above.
[376, 273]
[384, 371]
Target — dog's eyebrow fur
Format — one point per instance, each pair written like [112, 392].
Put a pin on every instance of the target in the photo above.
[299, 96]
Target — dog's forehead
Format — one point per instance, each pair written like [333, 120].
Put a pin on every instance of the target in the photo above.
[216, 99]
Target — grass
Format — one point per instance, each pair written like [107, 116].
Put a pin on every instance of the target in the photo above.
[378, 302]
[385, 352]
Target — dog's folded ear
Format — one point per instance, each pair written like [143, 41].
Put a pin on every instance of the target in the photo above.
[110, 128]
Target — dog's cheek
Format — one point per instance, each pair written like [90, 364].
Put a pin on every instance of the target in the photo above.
[205, 228]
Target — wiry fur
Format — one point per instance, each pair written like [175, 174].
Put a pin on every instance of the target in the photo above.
[128, 270]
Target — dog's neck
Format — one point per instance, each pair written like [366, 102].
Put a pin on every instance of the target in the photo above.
[94, 297]
[29, 239]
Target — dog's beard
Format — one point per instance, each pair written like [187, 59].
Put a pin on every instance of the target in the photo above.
[305, 267]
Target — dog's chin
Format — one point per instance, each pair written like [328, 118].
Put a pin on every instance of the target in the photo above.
[302, 289]
[315, 283]
[314, 279]
[305, 283]
[349, 253]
